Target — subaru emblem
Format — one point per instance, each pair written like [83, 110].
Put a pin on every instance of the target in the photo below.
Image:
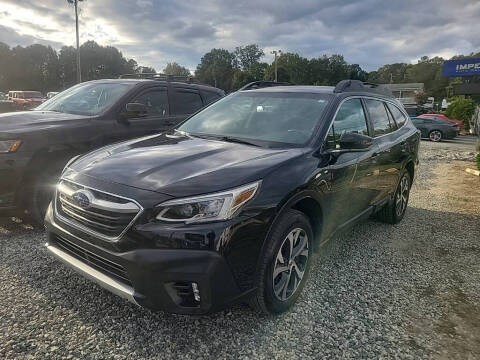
[82, 198]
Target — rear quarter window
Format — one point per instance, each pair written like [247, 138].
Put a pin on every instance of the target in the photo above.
[399, 117]
[186, 102]
[380, 119]
[210, 96]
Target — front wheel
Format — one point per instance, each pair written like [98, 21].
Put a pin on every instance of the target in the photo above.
[285, 265]
[435, 135]
[42, 191]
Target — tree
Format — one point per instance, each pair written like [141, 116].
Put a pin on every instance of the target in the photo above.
[39, 67]
[67, 65]
[292, 68]
[421, 98]
[216, 68]
[145, 70]
[247, 56]
[461, 109]
[173, 68]
[392, 73]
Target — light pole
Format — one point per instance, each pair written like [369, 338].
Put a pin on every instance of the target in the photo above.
[275, 52]
[79, 71]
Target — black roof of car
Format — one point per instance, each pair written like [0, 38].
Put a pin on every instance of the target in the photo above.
[176, 83]
[343, 86]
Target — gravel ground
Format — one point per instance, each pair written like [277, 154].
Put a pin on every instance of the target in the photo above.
[408, 291]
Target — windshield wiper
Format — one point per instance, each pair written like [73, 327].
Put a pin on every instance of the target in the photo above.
[224, 138]
[237, 140]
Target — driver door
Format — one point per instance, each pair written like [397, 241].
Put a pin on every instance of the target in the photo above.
[349, 178]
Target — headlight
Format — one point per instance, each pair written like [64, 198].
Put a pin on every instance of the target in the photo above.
[7, 146]
[212, 207]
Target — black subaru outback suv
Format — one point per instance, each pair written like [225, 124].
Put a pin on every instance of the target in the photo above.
[229, 206]
[36, 145]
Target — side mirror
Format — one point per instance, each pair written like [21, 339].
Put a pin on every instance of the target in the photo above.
[353, 141]
[135, 110]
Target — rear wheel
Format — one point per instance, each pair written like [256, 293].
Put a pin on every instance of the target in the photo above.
[285, 264]
[435, 135]
[394, 211]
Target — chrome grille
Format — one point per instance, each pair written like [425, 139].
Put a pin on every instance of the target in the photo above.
[95, 211]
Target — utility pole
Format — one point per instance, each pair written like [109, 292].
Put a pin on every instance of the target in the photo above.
[275, 52]
[79, 70]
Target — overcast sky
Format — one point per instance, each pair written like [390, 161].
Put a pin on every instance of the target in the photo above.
[154, 32]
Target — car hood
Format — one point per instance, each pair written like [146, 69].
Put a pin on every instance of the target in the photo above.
[181, 166]
[25, 121]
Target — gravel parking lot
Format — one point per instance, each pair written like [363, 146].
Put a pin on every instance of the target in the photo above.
[407, 291]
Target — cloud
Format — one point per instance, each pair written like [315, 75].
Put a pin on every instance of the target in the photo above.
[368, 32]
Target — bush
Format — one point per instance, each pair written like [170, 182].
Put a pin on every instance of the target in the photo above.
[461, 109]
[478, 161]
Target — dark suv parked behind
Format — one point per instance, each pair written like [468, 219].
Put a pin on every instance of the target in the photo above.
[36, 145]
[229, 206]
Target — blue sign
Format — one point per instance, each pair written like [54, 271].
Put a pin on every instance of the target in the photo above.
[462, 67]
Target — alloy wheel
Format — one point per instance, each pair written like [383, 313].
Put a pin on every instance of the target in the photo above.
[435, 135]
[401, 198]
[290, 264]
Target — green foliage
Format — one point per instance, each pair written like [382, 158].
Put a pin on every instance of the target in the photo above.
[421, 98]
[247, 56]
[478, 161]
[145, 70]
[461, 109]
[427, 71]
[216, 69]
[39, 67]
[173, 68]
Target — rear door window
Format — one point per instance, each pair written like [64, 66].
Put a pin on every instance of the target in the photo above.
[380, 119]
[186, 102]
[399, 117]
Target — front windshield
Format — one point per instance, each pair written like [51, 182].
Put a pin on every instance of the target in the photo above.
[86, 99]
[267, 116]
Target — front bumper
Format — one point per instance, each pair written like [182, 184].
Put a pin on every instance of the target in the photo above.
[159, 279]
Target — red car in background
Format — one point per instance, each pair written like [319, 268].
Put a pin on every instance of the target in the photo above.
[443, 117]
[25, 100]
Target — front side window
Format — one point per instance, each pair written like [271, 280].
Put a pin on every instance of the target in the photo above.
[379, 116]
[350, 119]
[156, 102]
[186, 102]
[91, 98]
[288, 118]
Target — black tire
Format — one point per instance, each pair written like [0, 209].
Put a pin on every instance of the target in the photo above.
[267, 298]
[390, 213]
[435, 135]
[42, 190]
